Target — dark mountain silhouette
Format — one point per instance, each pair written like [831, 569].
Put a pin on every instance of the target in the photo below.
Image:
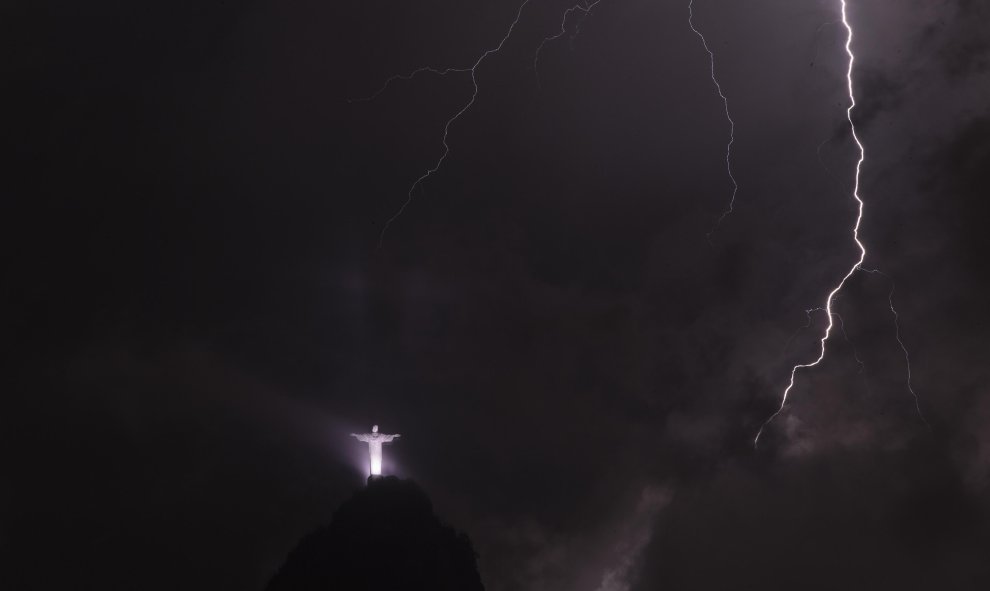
[385, 537]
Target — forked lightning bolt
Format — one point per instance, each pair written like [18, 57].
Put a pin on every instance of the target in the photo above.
[732, 124]
[858, 265]
[585, 8]
[859, 219]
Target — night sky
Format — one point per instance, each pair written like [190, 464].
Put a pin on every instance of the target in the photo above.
[197, 310]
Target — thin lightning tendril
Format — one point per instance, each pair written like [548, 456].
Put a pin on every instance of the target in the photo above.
[585, 8]
[900, 342]
[842, 326]
[473, 70]
[732, 124]
[408, 77]
[859, 219]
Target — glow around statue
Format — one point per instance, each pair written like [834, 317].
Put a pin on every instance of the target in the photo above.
[375, 441]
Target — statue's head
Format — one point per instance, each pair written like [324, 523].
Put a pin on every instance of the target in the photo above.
[374, 428]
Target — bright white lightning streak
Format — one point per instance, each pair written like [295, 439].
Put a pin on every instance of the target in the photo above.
[732, 124]
[446, 128]
[859, 219]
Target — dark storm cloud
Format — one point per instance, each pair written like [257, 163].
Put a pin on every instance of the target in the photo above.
[198, 306]
[960, 39]
[857, 520]
[958, 172]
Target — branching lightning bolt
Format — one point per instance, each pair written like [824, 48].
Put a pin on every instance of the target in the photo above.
[585, 8]
[858, 265]
[859, 219]
[473, 71]
[732, 124]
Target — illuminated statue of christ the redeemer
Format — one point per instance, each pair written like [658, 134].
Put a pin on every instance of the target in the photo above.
[375, 441]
